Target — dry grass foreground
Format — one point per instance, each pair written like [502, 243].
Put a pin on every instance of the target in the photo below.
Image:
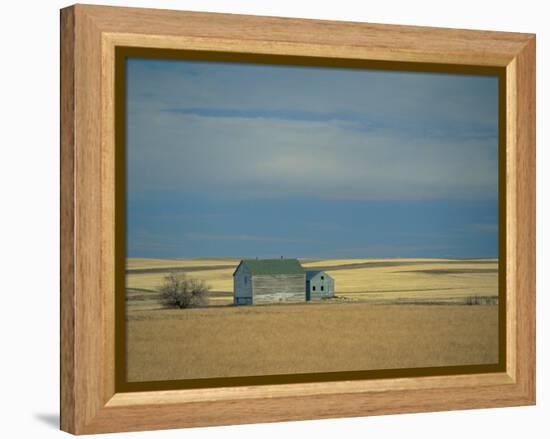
[388, 320]
[307, 338]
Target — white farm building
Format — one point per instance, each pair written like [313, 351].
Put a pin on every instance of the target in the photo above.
[263, 281]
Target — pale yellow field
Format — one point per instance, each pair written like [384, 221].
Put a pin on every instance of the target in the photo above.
[133, 263]
[372, 280]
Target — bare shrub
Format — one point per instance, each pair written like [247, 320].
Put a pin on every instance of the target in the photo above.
[181, 291]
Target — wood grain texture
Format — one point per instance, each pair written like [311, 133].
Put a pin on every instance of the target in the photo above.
[511, 214]
[331, 38]
[67, 232]
[88, 400]
[309, 389]
[525, 242]
[90, 326]
[278, 288]
[107, 218]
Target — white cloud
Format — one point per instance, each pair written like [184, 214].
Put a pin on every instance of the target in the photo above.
[259, 157]
[425, 136]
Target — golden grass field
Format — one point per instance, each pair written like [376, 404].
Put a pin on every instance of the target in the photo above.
[388, 313]
[373, 280]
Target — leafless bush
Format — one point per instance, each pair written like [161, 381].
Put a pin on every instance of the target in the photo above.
[181, 291]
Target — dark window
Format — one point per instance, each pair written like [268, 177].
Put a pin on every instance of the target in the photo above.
[313, 288]
[322, 288]
[322, 277]
[245, 280]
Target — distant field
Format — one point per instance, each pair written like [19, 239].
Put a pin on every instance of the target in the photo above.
[388, 313]
[371, 280]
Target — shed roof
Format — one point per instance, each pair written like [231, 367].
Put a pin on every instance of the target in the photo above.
[273, 266]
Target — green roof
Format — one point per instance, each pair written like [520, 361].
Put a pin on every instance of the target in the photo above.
[273, 266]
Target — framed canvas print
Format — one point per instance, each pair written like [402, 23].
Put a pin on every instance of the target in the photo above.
[270, 219]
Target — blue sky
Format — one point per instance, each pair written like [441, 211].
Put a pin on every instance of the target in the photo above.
[227, 159]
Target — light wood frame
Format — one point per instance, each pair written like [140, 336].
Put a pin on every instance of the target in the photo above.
[89, 35]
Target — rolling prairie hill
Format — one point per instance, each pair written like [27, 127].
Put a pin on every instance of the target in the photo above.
[388, 281]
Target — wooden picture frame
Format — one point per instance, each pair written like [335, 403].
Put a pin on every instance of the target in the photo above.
[90, 35]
